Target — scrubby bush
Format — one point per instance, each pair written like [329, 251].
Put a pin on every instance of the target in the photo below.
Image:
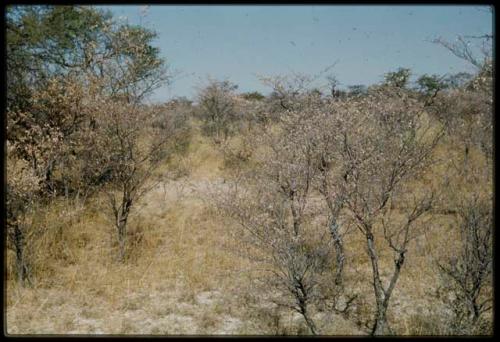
[76, 81]
[21, 198]
[216, 103]
[467, 276]
[172, 119]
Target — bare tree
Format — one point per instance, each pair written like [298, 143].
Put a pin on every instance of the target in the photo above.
[127, 156]
[217, 105]
[385, 141]
[462, 49]
[290, 92]
[296, 91]
[320, 126]
[271, 206]
[333, 84]
[468, 274]
[468, 111]
[294, 263]
[323, 131]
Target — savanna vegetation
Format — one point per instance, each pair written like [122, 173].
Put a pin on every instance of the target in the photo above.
[310, 210]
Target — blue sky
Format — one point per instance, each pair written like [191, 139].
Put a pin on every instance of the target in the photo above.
[242, 42]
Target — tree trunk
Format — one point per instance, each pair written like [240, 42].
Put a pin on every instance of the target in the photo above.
[48, 177]
[466, 156]
[301, 297]
[381, 326]
[310, 323]
[339, 251]
[295, 217]
[66, 188]
[121, 216]
[21, 267]
[122, 237]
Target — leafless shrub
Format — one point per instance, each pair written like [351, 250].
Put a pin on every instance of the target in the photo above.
[462, 49]
[333, 84]
[386, 141]
[290, 93]
[217, 108]
[325, 137]
[357, 154]
[172, 120]
[270, 205]
[236, 157]
[467, 276]
[294, 263]
[127, 155]
[468, 110]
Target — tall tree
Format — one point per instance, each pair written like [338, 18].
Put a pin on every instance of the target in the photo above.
[63, 64]
[55, 51]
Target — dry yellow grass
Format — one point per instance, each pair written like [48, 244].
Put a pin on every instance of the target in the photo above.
[184, 275]
[179, 248]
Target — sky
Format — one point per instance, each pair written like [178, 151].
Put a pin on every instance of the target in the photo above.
[241, 43]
